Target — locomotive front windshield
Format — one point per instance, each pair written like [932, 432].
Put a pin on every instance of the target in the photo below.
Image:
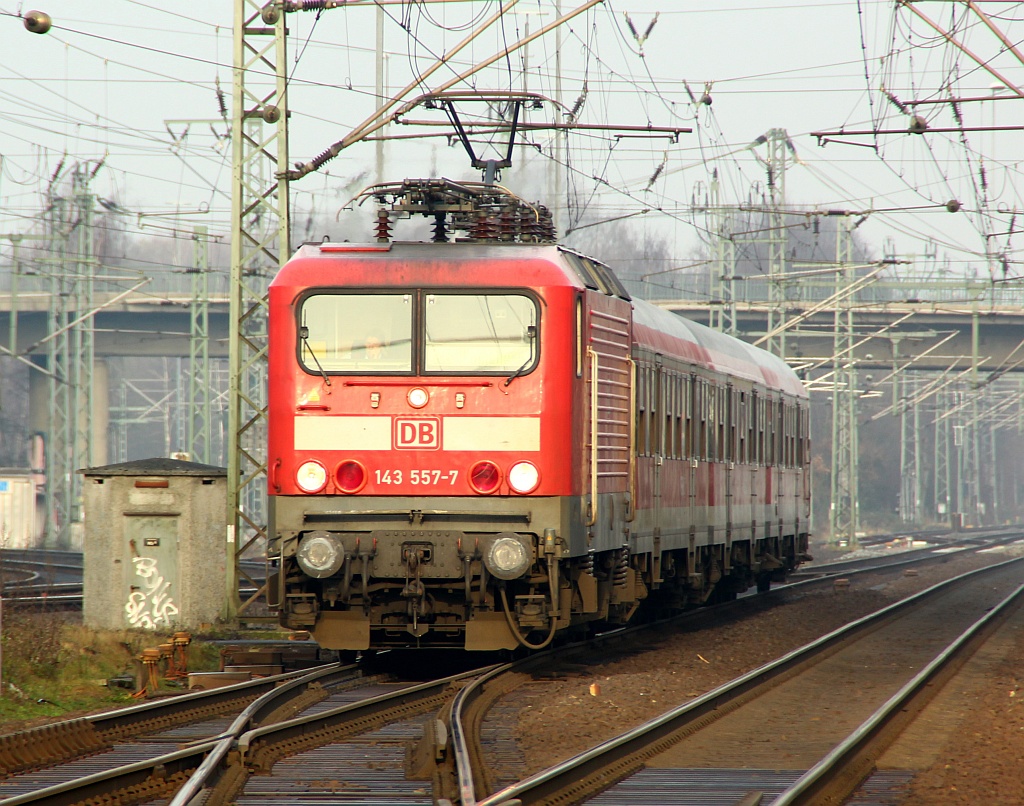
[419, 332]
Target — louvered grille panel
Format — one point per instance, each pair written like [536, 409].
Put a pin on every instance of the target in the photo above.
[610, 340]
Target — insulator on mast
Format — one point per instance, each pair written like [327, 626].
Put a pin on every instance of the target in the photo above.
[383, 225]
[221, 103]
[440, 230]
[483, 228]
[507, 224]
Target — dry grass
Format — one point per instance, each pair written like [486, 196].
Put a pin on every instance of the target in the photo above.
[53, 667]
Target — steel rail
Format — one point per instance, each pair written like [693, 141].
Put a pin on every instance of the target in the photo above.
[462, 738]
[862, 747]
[146, 712]
[251, 715]
[153, 775]
[93, 733]
[306, 725]
[920, 556]
[245, 741]
[596, 762]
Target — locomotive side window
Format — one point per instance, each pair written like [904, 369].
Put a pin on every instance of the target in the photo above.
[356, 332]
[581, 349]
[486, 333]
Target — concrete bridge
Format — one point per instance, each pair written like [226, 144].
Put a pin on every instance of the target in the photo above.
[919, 335]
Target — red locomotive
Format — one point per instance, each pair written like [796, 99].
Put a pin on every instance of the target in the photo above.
[482, 443]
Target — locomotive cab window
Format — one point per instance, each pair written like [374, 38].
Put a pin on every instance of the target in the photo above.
[356, 333]
[479, 333]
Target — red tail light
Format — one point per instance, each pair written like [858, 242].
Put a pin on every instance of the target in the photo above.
[484, 477]
[351, 476]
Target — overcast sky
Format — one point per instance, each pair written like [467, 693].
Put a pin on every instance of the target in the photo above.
[115, 81]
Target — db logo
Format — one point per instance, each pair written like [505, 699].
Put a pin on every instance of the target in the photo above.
[419, 434]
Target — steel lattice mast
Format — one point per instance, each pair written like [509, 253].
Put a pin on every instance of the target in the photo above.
[778, 147]
[198, 415]
[843, 515]
[259, 245]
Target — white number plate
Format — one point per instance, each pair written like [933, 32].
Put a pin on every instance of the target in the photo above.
[430, 477]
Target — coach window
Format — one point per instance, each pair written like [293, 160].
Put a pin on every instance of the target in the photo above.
[479, 333]
[641, 411]
[777, 435]
[677, 414]
[784, 434]
[753, 455]
[742, 437]
[711, 415]
[686, 449]
[760, 457]
[356, 333]
[655, 427]
[729, 433]
[722, 419]
[700, 416]
[664, 429]
[788, 431]
[798, 446]
[793, 424]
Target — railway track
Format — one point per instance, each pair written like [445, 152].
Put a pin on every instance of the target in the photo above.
[43, 764]
[788, 732]
[332, 730]
[342, 745]
[938, 548]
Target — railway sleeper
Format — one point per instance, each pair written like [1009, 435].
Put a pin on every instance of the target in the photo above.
[47, 744]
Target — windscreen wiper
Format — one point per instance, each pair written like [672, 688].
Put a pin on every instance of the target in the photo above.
[531, 333]
[304, 335]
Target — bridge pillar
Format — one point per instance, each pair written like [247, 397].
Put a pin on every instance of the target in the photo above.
[39, 404]
[40, 422]
[100, 425]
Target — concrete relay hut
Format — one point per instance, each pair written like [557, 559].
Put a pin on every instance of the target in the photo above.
[155, 550]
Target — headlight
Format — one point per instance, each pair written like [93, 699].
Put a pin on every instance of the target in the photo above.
[523, 477]
[311, 477]
[508, 557]
[417, 397]
[320, 554]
